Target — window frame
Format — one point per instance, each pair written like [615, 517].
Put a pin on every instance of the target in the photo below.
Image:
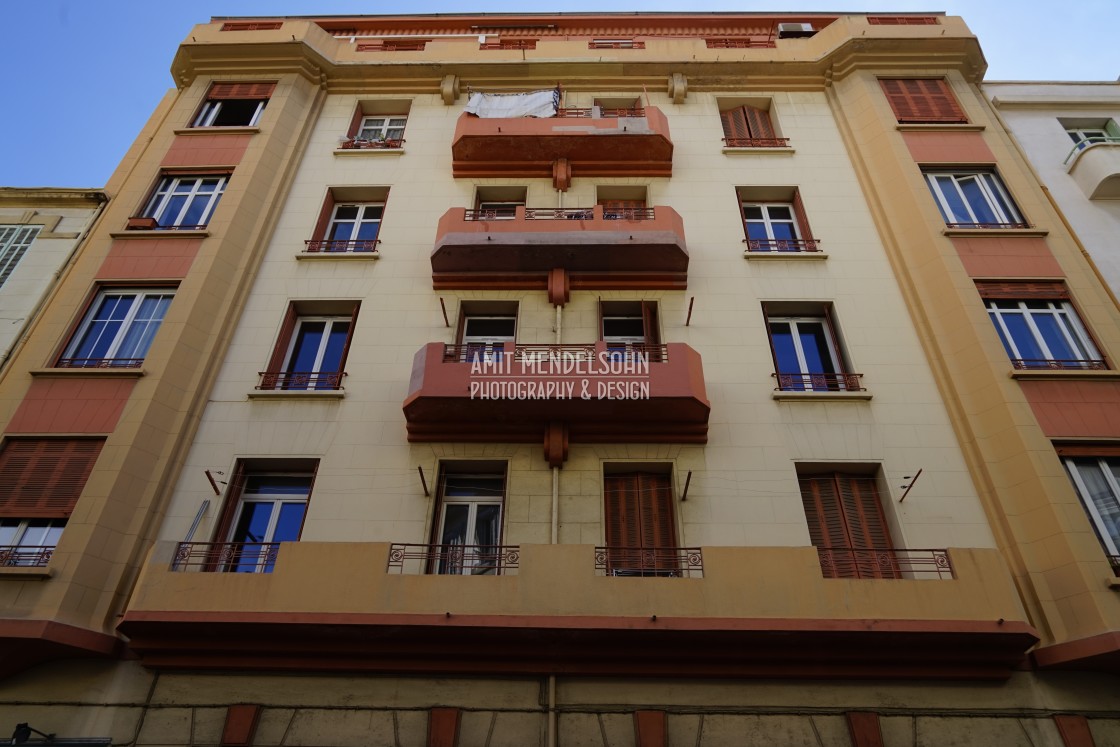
[240, 91]
[635, 545]
[358, 221]
[841, 379]
[617, 345]
[483, 348]
[212, 108]
[1109, 540]
[923, 101]
[88, 318]
[991, 190]
[280, 377]
[855, 515]
[15, 241]
[161, 198]
[365, 123]
[1058, 305]
[443, 559]
[749, 126]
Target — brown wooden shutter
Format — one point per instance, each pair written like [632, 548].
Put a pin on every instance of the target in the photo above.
[349, 337]
[735, 125]
[801, 216]
[651, 331]
[758, 120]
[922, 100]
[239, 90]
[233, 501]
[41, 478]
[1087, 450]
[639, 516]
[844, 511]
[599, 309]
[283, 340]
[355, 122]
[1042, 290]
[325, 213]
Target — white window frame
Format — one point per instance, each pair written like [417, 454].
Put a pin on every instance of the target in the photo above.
[324, 339]
[1084, 494]
[277, 500]
[488, 347]
[799, 350]
[14, 243]
[469, 561]
[991, 188]
[1067, 318]
[359, 221]
[213, 107]
[165, 191]
[1083, 137]
[122, 332]
[379, 126]
[769, 222]
[28, 536]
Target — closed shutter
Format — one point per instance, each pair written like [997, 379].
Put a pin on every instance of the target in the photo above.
[746, 123]
[922, 100]
[639, 524]
[222, 91]
[41, 478]
[844, 513]
[1038, 290]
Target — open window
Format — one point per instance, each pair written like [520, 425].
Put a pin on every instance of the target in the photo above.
[117, 328]
[498, 203]
[181, 202]
[310, 352]
[847, 524]
[1038, 325]
[922, 101]
[234, 104]
[973, 199]
[623, 202]
[747, 123]
[807, 352]
[629, 328]
[640, 523]
[775, 220]
[484, 329]
[377, 124]
[40, 482]
[1095, 472]
[350, 220]
[467, 533]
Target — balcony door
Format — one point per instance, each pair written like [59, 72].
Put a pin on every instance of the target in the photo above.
[847, 526]
[640, 529]
[628, 327]
[470, 524]
[270, 511]
[484, 329]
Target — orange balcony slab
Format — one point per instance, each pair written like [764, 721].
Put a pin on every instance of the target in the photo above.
[516, 393]
[639, 248]
[592, 146]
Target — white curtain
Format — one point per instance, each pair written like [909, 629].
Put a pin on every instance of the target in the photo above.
[510, 105]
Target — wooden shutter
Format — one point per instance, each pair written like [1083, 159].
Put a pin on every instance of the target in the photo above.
[349, 337]
[801, 216]
[639, 516]
[758, 120]
[651, 331]
[599, 309]
[747, 123]
[1041, 290]
[1087, 450]
[922, 100]
[283, 340]
[325, 213]
[41, 478]
[355, 122]
[220, 91]
[844, 511]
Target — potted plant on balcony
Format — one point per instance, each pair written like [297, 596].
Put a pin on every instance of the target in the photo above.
[142, 223]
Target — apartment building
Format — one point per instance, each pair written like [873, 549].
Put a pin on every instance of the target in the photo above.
[589, 379]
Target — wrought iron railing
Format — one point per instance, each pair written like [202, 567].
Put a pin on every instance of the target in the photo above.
[1093, 140]
[792, 246]
[494, 351]
[848, 562]
[1035, 364]
[616, 44]
[25, 556]
[632, 213]
[355, 143]
[494, 214]
[662, 562]
[559, 214]
[819, 382]
[988, 225]
[457, 560]
[756, 142]
[99, 363]
[741, 43]
[510, 44]
[362, 246]
[301, 380]
[604, 113]
[1114, 561]
[226, 557]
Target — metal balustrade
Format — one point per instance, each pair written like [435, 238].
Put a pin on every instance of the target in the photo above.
[657, 562]
[457, 560]
[849, 562]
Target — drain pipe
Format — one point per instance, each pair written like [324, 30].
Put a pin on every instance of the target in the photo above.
[552, 710]
[555, 538]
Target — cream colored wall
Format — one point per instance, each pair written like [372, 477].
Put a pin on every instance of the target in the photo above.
[743, 489]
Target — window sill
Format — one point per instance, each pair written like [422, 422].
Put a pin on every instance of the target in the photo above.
[795, 256]
[1112, 582]
[108, 372]
[345, 256]
[784, 150]
[369, 151]
[192, 233]
[994, 232]
[941, 127]
[781, 396]
[1074, 374]
[36, 571]
[217, 130]
[297, 394]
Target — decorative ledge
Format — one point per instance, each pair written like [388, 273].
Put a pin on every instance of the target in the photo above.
[781, 396]
[942, 127]
[794, 256]
[346, 256]
[1068, 374]
[161, 234]
[784, 150]
[297, 394]
[217, 131]
[994, 232]
[369, 151]
[108, 372]
[25, 572]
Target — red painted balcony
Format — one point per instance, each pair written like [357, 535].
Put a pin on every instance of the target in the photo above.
[599, 248]
[636, 145]
[515, 393]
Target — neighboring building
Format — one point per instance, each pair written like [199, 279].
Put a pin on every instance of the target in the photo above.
[742, 394]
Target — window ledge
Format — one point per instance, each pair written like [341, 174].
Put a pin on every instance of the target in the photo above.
[369, 151]
[345, 256]
[193, 233]
[942, 127]
[297, 394]
[217, 131]
[1113, 582]
[834, 396]
[996, 232]
[36, 571]
[785, 150]
[1075, 374]
[795, 256]
[108, 372]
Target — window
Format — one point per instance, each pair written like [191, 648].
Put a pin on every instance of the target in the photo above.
[14, 243]
[775, 220]
[807, 355]
[973, 199]
[1038, 326]
[630, 327]
[356, 223]
[1086, 137]
[1089, 131]
[118, 328]
[350, 220]
[40, 482]
[183, 202]
[847, 526]
[469, 527]
[922, 101]
[484, 328]
[378, 124]
[234, 105]
[623, 202]
[1095, 473]
[266, 506]
[311, 350]
[749, 126]
[640, 527]
[498, 203]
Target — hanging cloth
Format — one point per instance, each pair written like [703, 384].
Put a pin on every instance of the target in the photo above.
[511, 105]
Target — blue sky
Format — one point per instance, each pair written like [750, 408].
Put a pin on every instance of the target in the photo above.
[80, 77]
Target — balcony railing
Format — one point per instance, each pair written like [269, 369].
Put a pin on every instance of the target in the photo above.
[300, 380]
[458, 560]
[147, 223]
[988, 225]
[555, 355]
[226, 557]
[848, 562]
[354, 143]
[1090, 141]
[658, 562]
[634, 111]
[758, 42]
[1114, 561]
[368, 246]
[790, 246]
[819, 382]
[1035, 364]
[756, 142]
[25, 556]
[511, 213]
[99, 363]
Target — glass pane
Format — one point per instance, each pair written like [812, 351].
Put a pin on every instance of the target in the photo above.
[485, 486]
[1026, 347]
[170, 214]
[277, 485]
[341, 231]
[487, 525]
[196, 212]
[814, 346]
[490, 329]
[367, 230]
[981, 208]
[455, 519]
[784, 231]
[144, 326]
[252, 526]
[1051, 329]
[780, 212]
[9, 528]
[332, 354]
[306, 347]
[757, 231]
[346, 212]
[752, 212]
[1102, 497]
[630, 329]
[289, 522]
[958, 212]
[104, 327]
[784, 349]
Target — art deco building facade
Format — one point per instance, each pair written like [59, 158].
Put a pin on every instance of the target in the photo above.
[687, 379]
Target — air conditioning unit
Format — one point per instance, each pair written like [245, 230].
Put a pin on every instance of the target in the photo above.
[795, 30]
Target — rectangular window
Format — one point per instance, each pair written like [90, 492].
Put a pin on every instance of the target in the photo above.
[973, 199]
[350, 220]
[234, 105]
[847, 526]
[922, 101]
[807, 353]
[310, 352]
[358, 224]
[14, 243]
[484, 328]
[1038, 326]
[630, 327]
[747, 126]
[641, 532]
[1095, 473]
[118, 328]
[383, 131]
[498, 203]
[1090, 131]
[468, 531]
[40, 482]
[183, 202]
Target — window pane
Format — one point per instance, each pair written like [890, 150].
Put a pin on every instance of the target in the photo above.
[1052, 333]
[490, 328]
[144, 326]
[341, 231]
[196, 213]
[958, 212]
[757, 231]
[784, 349]
[784, 231]
[252, 526]
[289, 522]
[336, 343]
[814, 346]
[1102, 496]
[306, 348]
[487, 525]
[103, 328]
[1026, 347]
[780, 212]
[367, 230]
[978, 201]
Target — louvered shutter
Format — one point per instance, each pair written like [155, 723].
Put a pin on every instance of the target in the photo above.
[349, 338]
[922, 100]
[758, 120]
[826, 524]
[651, 331]
[735, 125]
[283, 342]
[623, 523]
[41, 478]
[1041, 290]
[801, 217]
[325, 214]
[639, 517]
[222, 91]
[355, 122]
[867, 527]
